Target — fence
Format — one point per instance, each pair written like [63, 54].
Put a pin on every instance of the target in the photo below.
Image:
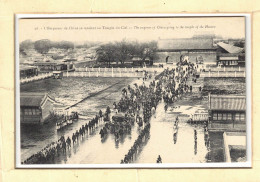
[233, 68]
[122, 70]
[223, 74]
[112, 72]
[34, 78]
[103, 74]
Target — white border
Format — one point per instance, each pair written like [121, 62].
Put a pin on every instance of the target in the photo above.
[163, 165]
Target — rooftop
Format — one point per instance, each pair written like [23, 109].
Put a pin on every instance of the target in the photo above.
[30, 99]
[26, 67]
[227, 102]
[230, 48]
[185, 44]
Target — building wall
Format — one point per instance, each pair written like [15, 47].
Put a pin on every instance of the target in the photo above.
[30, 115]
[47, 109]
[208, 57]
[227, 120]
[28, 73]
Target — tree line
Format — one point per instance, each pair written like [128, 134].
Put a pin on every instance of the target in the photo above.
[112, 52]
[44, 45]
[121, 51]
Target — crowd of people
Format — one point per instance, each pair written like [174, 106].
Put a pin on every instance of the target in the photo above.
[168, 86]
[138, 103]
[144, 136]
[48, 153]
[66, 121]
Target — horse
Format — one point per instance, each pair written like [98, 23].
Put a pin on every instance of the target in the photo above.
[81, 132]
[101, 133]
[73, 138]
[77, 135]
[175, 137]
[63, 147]
[165, 107]
[68, 141]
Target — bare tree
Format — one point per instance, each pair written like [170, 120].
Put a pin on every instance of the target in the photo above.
[106, 53]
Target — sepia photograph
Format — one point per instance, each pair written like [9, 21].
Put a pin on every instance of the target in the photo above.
[159, 91]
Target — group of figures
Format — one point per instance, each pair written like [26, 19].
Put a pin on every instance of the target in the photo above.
[137, 104]
[174, 82]
[134, 150]
[66, 121]
[168, 86]
[55, 149]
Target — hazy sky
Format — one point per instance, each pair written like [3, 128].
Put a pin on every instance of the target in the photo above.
[142, 29]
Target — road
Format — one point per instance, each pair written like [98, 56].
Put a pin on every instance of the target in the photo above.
[36, 137]
[91, 150]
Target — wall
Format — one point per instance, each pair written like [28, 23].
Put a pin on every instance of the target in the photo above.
[29, 119]
[47, 108]
[208, 57]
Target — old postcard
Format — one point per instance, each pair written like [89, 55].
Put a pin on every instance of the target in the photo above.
[133, 91]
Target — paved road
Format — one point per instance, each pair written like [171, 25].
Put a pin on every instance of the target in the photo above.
[36, 137]
[161, 140]
[91, 150]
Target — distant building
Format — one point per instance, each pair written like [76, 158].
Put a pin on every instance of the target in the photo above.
[229, 55]
[138, 61]
[227, 124]
[54, 65]
[35, 107]
[170, 50]
[227, 113]
[28, 71]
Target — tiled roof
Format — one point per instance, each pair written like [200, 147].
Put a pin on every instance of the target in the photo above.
[230, 48]
[227, 102]
[185, 44]
[26, 67]
[136, 58]
[34, 99]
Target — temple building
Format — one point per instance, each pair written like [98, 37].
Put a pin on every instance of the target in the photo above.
[227, 112]
[27, 71]
[170, 50]
[35, 107]
[230, 55]
[227, 123]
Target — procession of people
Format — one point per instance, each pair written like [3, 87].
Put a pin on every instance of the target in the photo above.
[137, 105]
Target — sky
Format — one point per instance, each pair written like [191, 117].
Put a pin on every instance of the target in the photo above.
[141, 29]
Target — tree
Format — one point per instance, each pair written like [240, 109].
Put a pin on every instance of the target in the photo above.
[106, 53]
[24, 45]
[150, 50]
[147, 49]
[123, 50]
[42, 46]
[239, 44]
